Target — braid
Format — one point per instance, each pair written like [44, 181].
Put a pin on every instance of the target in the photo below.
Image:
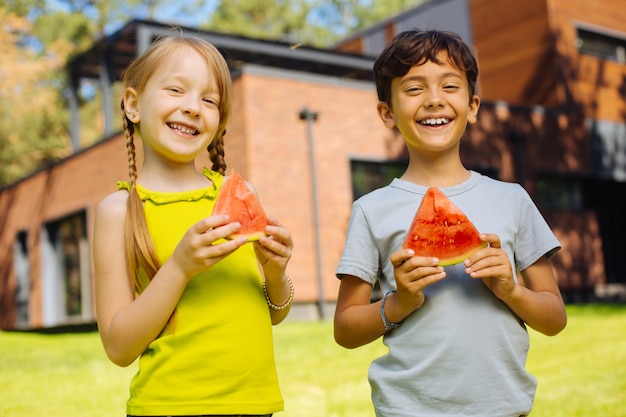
[141, 253]
[129, 132]
[216, 153]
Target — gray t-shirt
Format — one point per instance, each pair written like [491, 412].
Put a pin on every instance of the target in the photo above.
[463, 353]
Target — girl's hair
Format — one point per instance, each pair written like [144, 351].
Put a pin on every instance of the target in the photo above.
[416, 47]
[140, 252]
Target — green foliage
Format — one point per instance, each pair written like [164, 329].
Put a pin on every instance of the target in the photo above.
[312, 22]
[581, 372]
[39, 38]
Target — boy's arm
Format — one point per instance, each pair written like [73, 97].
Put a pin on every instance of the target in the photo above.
[357, 321]
[537, 301]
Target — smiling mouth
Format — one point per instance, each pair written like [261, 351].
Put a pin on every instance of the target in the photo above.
[435, 121]
[183, 129]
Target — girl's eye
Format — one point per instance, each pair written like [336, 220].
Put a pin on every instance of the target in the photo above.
[175, 90]
[211, 101]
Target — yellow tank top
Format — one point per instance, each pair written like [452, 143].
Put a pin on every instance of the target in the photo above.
[216, 355]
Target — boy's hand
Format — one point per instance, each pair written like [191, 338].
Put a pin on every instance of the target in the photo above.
[412, 274]
[493, 267]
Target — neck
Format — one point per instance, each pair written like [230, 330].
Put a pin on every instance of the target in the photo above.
[438, 172]
[171, 177]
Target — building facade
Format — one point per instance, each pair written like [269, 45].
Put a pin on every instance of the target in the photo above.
[305, 132]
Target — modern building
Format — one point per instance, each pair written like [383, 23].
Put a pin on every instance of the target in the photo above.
[305, 132]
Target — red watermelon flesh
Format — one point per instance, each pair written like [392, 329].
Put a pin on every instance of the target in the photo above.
[440, 229]
[240, 203]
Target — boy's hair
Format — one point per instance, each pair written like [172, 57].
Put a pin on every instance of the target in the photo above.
[416, 47]
[140, 252]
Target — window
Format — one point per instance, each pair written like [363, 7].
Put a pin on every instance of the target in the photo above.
[602, 45]
[21, 267]
[559, 193]
[66, 283]
[370, 175]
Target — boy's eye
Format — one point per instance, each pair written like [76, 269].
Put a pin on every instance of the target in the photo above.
[413, 89]
[451, 87]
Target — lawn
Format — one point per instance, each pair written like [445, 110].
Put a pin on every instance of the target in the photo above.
[581, 372]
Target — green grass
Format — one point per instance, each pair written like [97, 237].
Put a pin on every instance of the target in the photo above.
[581, 372]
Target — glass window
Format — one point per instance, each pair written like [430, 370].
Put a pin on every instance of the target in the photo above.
[370, 175]
[602, 45]
[559, 193]
[21, 267]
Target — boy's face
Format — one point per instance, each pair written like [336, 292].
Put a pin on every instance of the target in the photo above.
[431, 106]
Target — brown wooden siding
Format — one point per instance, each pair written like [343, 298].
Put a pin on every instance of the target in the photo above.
[515, 51]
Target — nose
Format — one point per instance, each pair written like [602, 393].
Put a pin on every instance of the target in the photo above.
[433, 98]
[191, 107]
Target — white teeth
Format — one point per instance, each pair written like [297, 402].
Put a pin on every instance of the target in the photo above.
[183, 129]
[435, 121]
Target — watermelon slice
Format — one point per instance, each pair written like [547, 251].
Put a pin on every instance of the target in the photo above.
[440, 229]
[241, 204]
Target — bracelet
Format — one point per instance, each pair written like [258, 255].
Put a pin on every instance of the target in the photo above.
[289, 301]
[388, 325]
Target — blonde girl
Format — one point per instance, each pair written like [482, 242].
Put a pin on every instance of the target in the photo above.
[195, 309]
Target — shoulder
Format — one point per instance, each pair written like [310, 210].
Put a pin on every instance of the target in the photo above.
[377, 196]
[113, 206]
[502, 188]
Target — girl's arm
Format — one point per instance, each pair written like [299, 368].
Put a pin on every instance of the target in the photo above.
[273, 253]
[127, 324]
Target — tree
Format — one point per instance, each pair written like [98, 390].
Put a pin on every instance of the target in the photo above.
[313, 22]
[39, 37]
[31, 127]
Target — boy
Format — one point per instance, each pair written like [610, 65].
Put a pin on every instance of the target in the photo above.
[456, 336]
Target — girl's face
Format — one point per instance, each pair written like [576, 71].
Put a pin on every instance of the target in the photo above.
[178, 110]
[431, 107]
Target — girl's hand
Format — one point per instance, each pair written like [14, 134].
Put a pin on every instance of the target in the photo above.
[412, 274]
[492, 265]
[196, 252]
[274, 250]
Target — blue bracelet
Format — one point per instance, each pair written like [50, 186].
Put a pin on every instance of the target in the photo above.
[388, 325]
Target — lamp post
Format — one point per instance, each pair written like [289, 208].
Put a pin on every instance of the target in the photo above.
[310, 117]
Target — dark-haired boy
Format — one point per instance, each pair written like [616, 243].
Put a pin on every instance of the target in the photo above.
[456, 336]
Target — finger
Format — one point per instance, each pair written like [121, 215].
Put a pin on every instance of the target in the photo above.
[279, 234]
[274, 221]
[226, 247]
[210, 222]
[221, 232]
[399, 257]
[492, 239]
[270, 246]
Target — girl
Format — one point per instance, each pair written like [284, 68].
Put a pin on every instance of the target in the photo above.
[196, 309]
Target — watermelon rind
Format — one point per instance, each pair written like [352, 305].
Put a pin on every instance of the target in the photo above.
[458, 259]
[252, 237]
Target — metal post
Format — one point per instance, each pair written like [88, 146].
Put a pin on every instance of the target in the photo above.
[310, 117]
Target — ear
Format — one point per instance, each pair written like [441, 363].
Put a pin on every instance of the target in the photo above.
[386, 115]
[131, 104]
[473, 109]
